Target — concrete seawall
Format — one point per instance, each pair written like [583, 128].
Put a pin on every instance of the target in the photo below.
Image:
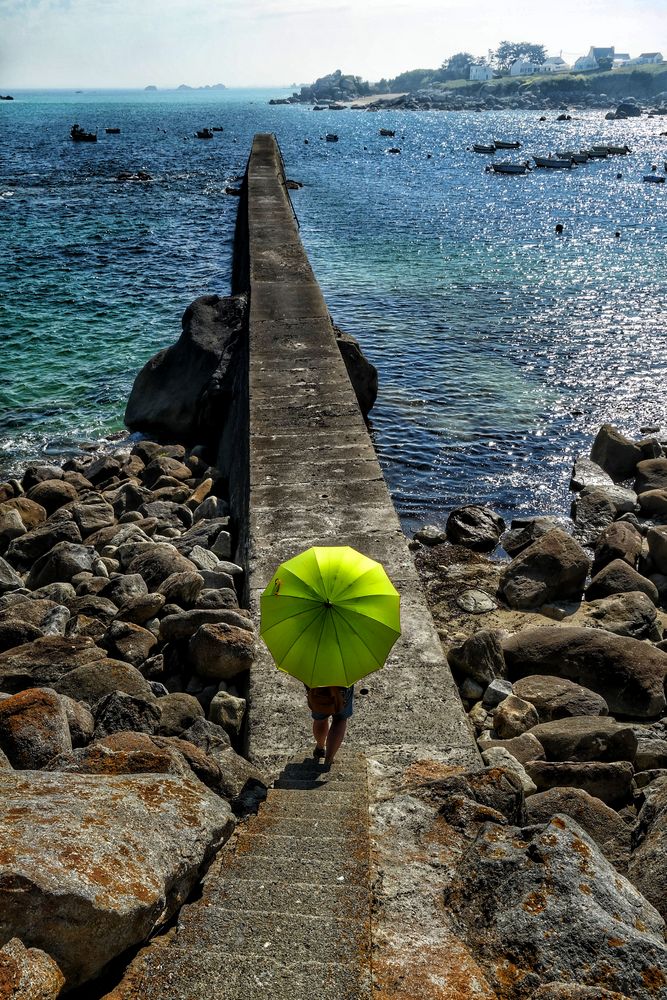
[314, 479]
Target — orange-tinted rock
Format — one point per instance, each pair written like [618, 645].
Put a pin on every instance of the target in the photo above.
[28, 973]
[33, 728]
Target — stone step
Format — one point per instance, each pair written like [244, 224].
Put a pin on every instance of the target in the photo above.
[306, 898]
[338, 783]
[306, 829]
[290, 938]
[325, 872]
[273, 845]
[321, 801]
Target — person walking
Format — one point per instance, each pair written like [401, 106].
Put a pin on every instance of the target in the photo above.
[329, 703]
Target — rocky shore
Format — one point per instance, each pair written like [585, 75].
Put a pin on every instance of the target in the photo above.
[557, 851]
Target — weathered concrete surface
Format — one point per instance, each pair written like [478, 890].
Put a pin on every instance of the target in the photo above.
[315, 480]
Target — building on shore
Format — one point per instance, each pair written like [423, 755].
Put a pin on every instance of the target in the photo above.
[597, 58]
[524, 67]
[554, 64]
[480, 71]
[647, 59]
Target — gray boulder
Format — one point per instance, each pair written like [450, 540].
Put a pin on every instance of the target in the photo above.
[553, 568]
[558, 698]
[610, 781]
[73, 843]
[630, 675]
[545, 903]
[524, 533]
[24, 551]
[118, 712]
[575, 991]
[651, 475]
[632, 614]
[586, 472]
[220, 651]
[60, 564]
[184, 392]
[178, 712]
[475, 527]
[523, 748]
[44, 661]
[618, 577]
[648, 866]
[158, 562]
[95, 680]
[616, 454]
[9, 578]
[657, 546]
[513, 717]
[480, 657]
[586, 738]
[619, 540]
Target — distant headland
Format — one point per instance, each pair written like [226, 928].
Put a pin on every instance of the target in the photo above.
[185, 86]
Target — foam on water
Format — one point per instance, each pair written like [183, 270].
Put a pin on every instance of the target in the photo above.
[501, 347]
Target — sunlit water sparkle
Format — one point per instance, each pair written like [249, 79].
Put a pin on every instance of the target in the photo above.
[501, 347]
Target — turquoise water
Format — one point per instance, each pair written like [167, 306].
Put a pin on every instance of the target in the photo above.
[501, 347]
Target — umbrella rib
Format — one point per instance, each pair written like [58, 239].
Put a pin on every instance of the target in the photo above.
[358, 635]
[296, 614]
[319, 642]
[293, 644]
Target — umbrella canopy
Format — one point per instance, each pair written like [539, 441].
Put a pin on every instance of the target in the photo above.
[330, 616]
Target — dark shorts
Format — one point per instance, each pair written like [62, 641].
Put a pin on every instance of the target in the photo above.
[345, 712]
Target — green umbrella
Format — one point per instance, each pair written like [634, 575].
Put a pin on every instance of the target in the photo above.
[330, 616]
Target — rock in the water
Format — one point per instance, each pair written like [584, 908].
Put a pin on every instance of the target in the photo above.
[544, 902]
[651, 475]
[609, 781]
[588, 473]
[475, 527]
[615, 453]
[28, 973]
[100, 861]
[609, 831]
[552, 568]
[362, 374]
[513, 717]
[630, 675]
[618, 541]
[33, 728]
[557, 698]
[648, 865]
[618, 577]
[586, 738]
[183, 392]
[430, 534]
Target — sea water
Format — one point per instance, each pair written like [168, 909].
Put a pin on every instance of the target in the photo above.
[501, 346]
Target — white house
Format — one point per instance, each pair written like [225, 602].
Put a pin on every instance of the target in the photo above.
[646, 58]
[522, 67]
[480, 71]
[621, 59]
[554, 64]
[592, 60]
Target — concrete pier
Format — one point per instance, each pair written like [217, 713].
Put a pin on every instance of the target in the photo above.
[315, 480]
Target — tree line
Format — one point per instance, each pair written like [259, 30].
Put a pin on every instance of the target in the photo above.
[457, 67]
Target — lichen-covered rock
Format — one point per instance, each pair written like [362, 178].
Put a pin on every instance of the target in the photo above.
[609, 831]
[182, 588]
[648, 865]
[629, 674]
[101, 860]
[544, 903]
[33, 728]
[28, 973]
[43, 662]
[587, 738]
[102, 677]
[553, 568]
[574, 991]
[221, 651]
[557, 698]
[178, 712]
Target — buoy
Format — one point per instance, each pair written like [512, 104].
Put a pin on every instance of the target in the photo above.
[559, 228]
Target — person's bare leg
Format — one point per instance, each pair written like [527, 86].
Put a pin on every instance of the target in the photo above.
[335, 738]
[320, 732]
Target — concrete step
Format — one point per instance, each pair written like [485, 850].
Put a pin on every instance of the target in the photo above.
[307, 898]
[274, 845]
[317, 802]
[313, 828]
[289, 938]
[325, 872]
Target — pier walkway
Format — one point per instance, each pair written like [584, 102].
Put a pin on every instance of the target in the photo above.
[287, 910]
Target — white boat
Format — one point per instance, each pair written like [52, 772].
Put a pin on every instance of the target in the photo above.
[504, 144]
[553, 162]
[478, 147]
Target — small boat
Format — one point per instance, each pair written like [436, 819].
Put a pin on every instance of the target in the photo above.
[478, 147]
[654, 179]
[112, 131]
[503, 144]
[77, 134]
[617, 150]
[596, 153]
[553, 162]
[331, 137]
[204, 133]
[571, 155]
[387, 132]
[509, 168]
[217, 128]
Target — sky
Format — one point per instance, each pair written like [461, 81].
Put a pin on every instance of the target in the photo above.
[264, 43]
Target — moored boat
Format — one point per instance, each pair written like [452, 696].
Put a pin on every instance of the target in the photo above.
[479, 147]
[112, 131]
[553, 162]
[509, 168]
[331, 137]
[571, 155]
[504, 144]
[388, 132]
[654, 179]
[596, 153]
[204, 133]
[77, 134]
